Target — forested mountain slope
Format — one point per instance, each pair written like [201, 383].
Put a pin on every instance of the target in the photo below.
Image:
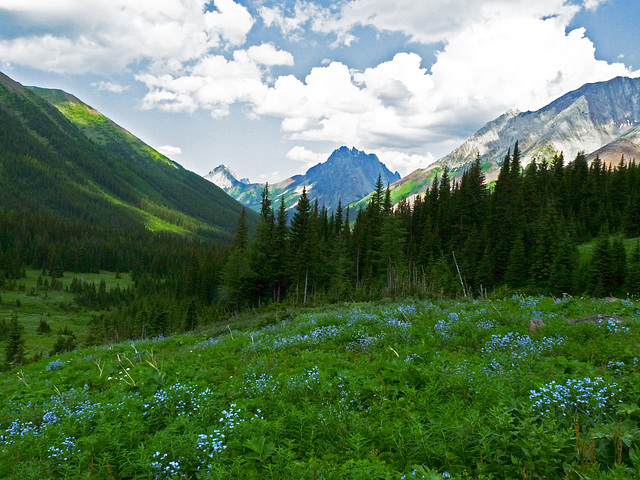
[61, 157]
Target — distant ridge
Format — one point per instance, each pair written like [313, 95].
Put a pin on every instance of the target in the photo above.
[348, 175]
[598, 118]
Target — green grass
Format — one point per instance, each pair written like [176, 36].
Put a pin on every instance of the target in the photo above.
[56, 307]
[585, 250]
[354, 391]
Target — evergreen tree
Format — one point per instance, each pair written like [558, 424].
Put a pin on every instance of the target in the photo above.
[484, 273]
[301, 246]
[518, 267]
[563, 265]
[280, 238]
[241, 237]
[633, 274]
[618, 265]
[14, 350]
[237, 278]
[387, 207]
[600, 274]
[391, 250]
[261, 253]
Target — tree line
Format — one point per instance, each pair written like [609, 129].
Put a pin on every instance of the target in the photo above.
[461, 237]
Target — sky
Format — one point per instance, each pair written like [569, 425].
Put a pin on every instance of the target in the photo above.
[270, 88]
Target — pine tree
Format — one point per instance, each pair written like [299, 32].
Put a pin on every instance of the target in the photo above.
[14, 350]
[484, 273]
[301, 245]
[241, 237]
[618, 265]
[600, 275]
[391, 250]
[564, 259]
[518, 267]
[280, 238]
[376, 202]
[633, 274]
[261, 253]
[387, 206]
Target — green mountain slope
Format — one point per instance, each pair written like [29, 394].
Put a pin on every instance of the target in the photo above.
[60, 156]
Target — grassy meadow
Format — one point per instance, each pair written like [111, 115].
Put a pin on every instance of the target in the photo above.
[445, 389]
[34, 302]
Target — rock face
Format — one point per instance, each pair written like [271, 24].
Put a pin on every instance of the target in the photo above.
[535, 324]
[224, 178]
[348, 175]
[597, 116]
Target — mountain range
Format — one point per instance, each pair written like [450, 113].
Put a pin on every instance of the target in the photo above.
[61, 157]
[347, 176]
[601, 119]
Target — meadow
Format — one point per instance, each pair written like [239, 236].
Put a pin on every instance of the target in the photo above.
[35, 301]
[443, 389]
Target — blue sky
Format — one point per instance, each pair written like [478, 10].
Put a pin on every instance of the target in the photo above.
[270, 88]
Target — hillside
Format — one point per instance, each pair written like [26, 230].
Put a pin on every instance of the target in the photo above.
[348, 175]
[594, 118]
[61, 157]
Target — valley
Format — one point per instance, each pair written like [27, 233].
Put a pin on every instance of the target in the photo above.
[481, 323]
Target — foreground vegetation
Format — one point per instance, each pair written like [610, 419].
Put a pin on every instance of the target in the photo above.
[421, 389]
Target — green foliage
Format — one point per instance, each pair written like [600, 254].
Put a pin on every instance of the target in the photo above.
[440, 390]
[14, 350]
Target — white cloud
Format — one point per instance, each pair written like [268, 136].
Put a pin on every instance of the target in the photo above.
[309, 158]
[404, 163]
[215, 83]
[110, 87]
[497, 55]
[524, 63]
[169, 150]
[268, 55]
[426, 22]
[111, 35]
[304, 14]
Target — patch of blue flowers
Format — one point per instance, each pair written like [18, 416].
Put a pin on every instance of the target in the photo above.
[622, 367]
[18, 428]
[208, 446]
[56, 364]
[165, 468]
[65, 452]
[609, 325]
[260, 385]
[416, 474]
[527, 302]
[591, 398]
[178, 400]
[519, 346]
[342, 326]
[73, 405]
[210, 342]
[445, 329]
